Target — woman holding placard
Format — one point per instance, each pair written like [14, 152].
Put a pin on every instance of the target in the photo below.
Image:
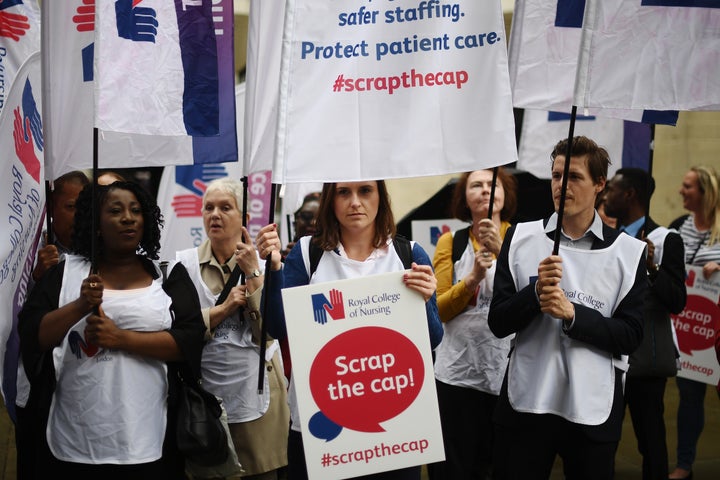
[700, 231]
[356, 238]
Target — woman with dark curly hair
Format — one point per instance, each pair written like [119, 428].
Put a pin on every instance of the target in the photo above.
[111, 337]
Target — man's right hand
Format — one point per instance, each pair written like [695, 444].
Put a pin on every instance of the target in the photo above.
[46, 258]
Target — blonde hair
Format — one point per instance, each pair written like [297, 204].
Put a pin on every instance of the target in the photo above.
[708, 183]
[226, 185]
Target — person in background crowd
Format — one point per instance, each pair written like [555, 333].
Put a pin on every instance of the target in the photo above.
[470, 361]
[108, 176]
[305, 219]
[103, 343]
[627, 197]
[700, 231]
[230, 362]
[356, 238]
[30, 442]
[64, 195]
[600, 207]
[576, 316]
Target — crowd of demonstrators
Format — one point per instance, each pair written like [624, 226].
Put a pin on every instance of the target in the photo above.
[627, 199]
[470, 361]
[101, 347]
[100, 338]
[700, 232]
[576, 316]
[356, 231]
[230, 367]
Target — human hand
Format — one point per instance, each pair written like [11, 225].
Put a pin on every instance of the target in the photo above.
[24, 146]
[710, 268]
[488, 236]
[267, 240]
[421, 279]
[136, 23]
[13, 25]
[552, 298]
[650, 261]
[46, 258]
[235, 300]
[100, 330]
[91, 291]
[245, 255]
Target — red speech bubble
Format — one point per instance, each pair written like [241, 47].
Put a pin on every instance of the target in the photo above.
[366, 376]
[696, 324]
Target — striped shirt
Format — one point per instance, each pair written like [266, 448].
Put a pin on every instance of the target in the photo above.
[697, 250]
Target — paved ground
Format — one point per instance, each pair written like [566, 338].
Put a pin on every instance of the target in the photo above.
[628, 461]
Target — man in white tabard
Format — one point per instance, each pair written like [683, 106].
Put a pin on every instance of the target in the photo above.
[577, 316]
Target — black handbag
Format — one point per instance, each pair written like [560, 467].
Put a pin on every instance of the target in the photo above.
[201, 436]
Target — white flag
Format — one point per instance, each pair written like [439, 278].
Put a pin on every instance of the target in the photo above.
[22, 211]
[544, 54]
[156, 68]
[381, 90]
[68, 53]
[263, 83]
[650, 54]
[628, 143]
[19, 38]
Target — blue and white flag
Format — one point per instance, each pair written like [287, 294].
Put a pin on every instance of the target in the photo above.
[19, 38]
[374, 90]
[68, 56]
[650, 54]
[544, 54]
[22, 212]
[156, 69]
[628, 143]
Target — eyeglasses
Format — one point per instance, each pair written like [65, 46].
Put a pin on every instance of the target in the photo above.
[305, 216]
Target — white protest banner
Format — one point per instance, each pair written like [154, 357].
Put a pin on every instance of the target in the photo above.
[22, 211]
[428, 232]
[363, 373]
[389, 89]
[650, 54]
[697, 325]
[628, 143]
[19, 38]
[544, 53]
[263, 83]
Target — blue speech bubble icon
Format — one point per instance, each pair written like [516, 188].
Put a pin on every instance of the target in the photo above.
[322, 427]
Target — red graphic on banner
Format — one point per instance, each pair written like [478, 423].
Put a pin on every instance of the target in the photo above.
[366, 376]
[696, 325]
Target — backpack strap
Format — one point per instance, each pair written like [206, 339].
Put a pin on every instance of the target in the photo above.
[402, 246]
[460, 240]
[404, 250]
[163, 269]
[315, 254]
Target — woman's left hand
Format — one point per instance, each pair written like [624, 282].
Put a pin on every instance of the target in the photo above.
[710, 268]
[489, 236]
[421, 279]
[101, 331]
[245, 255]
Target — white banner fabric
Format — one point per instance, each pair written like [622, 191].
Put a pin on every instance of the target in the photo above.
[381, 90]
[650, 54]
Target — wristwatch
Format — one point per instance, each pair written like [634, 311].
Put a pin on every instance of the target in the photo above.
[254, 274]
